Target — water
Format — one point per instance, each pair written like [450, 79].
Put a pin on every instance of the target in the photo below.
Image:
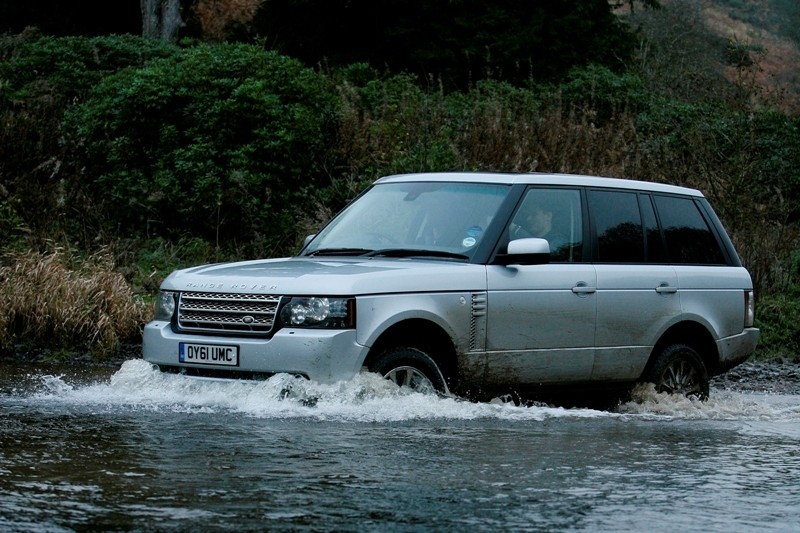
[136, 450]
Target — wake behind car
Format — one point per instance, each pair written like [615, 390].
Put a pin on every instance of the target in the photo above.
[478, 284]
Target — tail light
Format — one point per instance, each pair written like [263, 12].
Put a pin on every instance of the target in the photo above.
[749, 309]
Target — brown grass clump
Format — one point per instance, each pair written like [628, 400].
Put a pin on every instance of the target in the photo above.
[50, 301]
[218, 18]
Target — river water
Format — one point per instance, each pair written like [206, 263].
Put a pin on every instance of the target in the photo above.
[136, 450]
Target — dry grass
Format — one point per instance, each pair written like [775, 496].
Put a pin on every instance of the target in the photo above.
[553, 140]
[61, 304]
[219, 17]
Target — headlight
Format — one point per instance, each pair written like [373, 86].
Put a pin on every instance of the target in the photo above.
[165, 305]
[319, 312]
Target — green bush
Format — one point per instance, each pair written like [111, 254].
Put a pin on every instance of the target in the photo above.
[778, 318]
[391, 125]
[40, 77]
[65, 68]
[607, 93]
[217, 142]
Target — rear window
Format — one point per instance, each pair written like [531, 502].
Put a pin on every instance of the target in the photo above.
[688, 238]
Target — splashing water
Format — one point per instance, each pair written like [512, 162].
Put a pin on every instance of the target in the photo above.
[369, 398]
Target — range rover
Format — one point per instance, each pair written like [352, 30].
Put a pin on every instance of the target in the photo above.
[476, 284]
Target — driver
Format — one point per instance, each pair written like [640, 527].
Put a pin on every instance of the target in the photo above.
[536, 220]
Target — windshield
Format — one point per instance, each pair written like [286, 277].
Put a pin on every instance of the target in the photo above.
[413, 219]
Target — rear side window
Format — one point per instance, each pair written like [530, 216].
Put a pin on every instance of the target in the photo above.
[618, 226]
[688, 238]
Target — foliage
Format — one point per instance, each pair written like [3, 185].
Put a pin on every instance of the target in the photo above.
[779, 321]
[457, 42]
[679, 58]
[392, 125]
[33, 65]
[217, 142]
[605, 92]
[40, 77]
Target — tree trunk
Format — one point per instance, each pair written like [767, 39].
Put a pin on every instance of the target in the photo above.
[161, 19]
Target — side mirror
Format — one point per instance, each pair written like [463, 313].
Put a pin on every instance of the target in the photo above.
[308, 239]
[526, 252]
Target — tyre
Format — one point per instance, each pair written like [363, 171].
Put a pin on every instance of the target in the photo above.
[412, 368]
[678, 369]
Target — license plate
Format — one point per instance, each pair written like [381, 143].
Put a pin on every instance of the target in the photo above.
[208, 354]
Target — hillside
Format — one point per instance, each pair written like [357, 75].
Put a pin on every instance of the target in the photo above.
[769, 29]
[753, 43]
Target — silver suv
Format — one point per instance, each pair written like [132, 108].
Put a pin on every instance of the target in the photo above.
[478, 284]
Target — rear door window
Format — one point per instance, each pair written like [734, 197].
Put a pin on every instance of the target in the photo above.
[618, 226]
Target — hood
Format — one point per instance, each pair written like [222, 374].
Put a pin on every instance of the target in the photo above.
[327, 276]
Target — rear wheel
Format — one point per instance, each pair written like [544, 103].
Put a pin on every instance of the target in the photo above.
[412, 368]
[678, 369]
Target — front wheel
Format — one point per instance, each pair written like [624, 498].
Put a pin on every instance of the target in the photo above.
[678, 369]
[411, 368]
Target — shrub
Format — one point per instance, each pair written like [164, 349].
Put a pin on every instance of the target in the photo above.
[504, 128]
[40, 77]
[216, 143]
[391, 126]
[605, 92]
[778, 318]
[66, 68]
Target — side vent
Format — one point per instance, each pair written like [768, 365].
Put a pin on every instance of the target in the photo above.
[477, 328]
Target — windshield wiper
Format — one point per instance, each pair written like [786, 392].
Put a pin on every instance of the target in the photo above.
[339, 251]
[414, 252]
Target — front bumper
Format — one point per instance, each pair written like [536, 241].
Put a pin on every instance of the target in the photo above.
[325, 356]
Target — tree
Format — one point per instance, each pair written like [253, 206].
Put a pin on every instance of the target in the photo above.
[459, 41]
[161, 19]
[59, 18]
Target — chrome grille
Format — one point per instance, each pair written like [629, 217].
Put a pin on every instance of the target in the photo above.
[216, 313]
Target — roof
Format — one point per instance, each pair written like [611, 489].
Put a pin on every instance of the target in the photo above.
[537, 178]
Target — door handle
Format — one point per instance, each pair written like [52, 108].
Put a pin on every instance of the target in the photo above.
[583, 288]
[666, 289]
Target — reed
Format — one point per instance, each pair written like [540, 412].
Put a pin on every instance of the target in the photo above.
[61, 304]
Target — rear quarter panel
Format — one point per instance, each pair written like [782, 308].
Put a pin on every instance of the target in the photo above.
[714, 296]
